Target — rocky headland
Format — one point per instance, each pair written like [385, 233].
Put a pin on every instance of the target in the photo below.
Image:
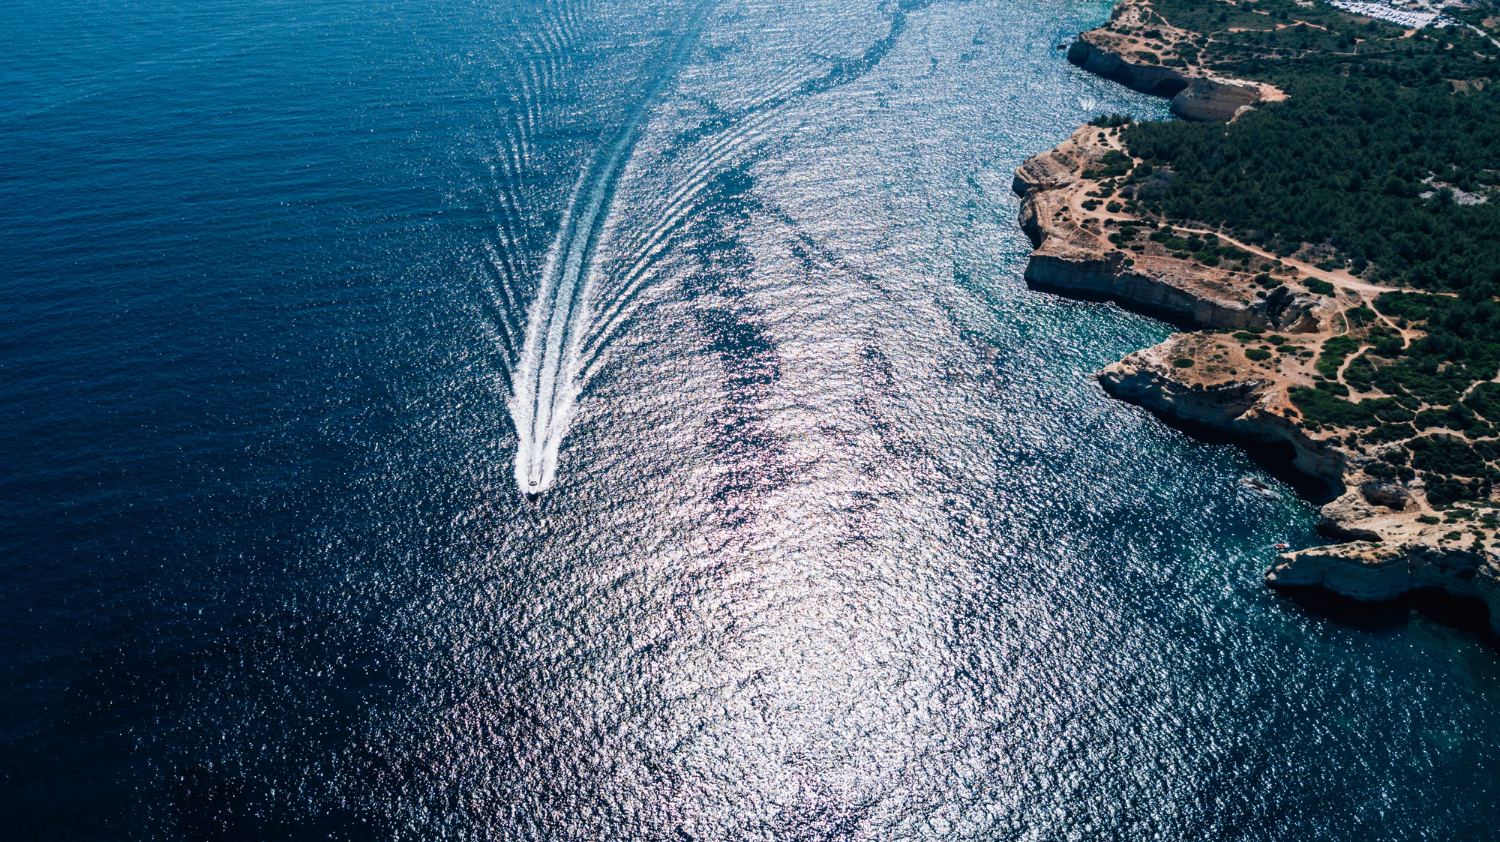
[1259, 331]
[1130, 49]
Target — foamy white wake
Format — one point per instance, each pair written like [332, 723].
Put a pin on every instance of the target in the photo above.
[546, 382]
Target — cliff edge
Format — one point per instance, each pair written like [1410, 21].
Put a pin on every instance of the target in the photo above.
[1260, 338]
[1140, 50]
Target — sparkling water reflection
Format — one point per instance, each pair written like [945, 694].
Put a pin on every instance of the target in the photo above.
[844, 543]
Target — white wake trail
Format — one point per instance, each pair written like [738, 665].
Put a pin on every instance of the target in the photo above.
[546, 382]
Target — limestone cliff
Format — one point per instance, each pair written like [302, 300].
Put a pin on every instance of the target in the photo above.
[1247, 408]
[1208, 98]
[1224, 378]
[1125, 50]
[1374, 572]
[1099, 56]
[1072, 253]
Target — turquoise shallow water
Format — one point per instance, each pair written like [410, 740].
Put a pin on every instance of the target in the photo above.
[843, 542]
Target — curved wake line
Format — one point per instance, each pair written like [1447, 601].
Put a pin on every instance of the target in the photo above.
[546, 382]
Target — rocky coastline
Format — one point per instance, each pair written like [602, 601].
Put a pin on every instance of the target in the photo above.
[1253, 326]
[1114, 51]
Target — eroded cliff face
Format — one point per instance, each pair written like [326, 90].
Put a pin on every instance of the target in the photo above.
[1209, 98]
[1072, 252]
[1250, 408]
[1376, 572]
[1214, 378]
[1120, 51]
[1098, 54]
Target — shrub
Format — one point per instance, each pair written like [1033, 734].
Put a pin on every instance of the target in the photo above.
[1485, 400]
[1387, 433]
[1390, 411]
[1322, 407]
[1445, 491]
[1318, 287]
[1257, 355]
[1361, 373]
[1335, 350]
[1446, 455]
[1111, 164]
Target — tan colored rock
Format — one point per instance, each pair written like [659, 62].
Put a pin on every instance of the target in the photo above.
[1096, 56]
[1389, 495]
[1207, 98]
[1377, 572]
[1208, 380]
[1243, 408]
[1113, 51]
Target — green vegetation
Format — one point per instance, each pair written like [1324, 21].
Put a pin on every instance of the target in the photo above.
[1335, 350]
[1112, 164]
[1359, 316]
[1441, 382]
[1448, 455]
[1375, 158]
[1112, 121]
[1206, 249]
[1384, 161]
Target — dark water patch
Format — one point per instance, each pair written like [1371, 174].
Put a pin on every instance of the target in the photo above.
[1276, 458]
[1465, 614]
[749, 359]
[851, 546]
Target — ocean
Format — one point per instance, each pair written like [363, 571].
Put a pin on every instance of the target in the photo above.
[609, 420]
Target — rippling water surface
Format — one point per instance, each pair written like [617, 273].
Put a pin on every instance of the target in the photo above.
[840, 541]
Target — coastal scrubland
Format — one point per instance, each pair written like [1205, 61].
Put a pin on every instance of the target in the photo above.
[1383, 162]
[1328, 220]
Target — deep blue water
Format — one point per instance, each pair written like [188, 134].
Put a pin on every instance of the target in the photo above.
[843, 543]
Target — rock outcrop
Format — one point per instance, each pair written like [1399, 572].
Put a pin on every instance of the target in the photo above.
[1376, 572]
[1119, 51]
[1211, 380]
[1245, 409]
[1102, 59]
[1207, 98]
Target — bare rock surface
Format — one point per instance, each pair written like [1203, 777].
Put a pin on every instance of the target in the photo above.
[1126, 50]
[1223, 377]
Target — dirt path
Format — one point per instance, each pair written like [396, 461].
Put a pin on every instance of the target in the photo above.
[1340, 278]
